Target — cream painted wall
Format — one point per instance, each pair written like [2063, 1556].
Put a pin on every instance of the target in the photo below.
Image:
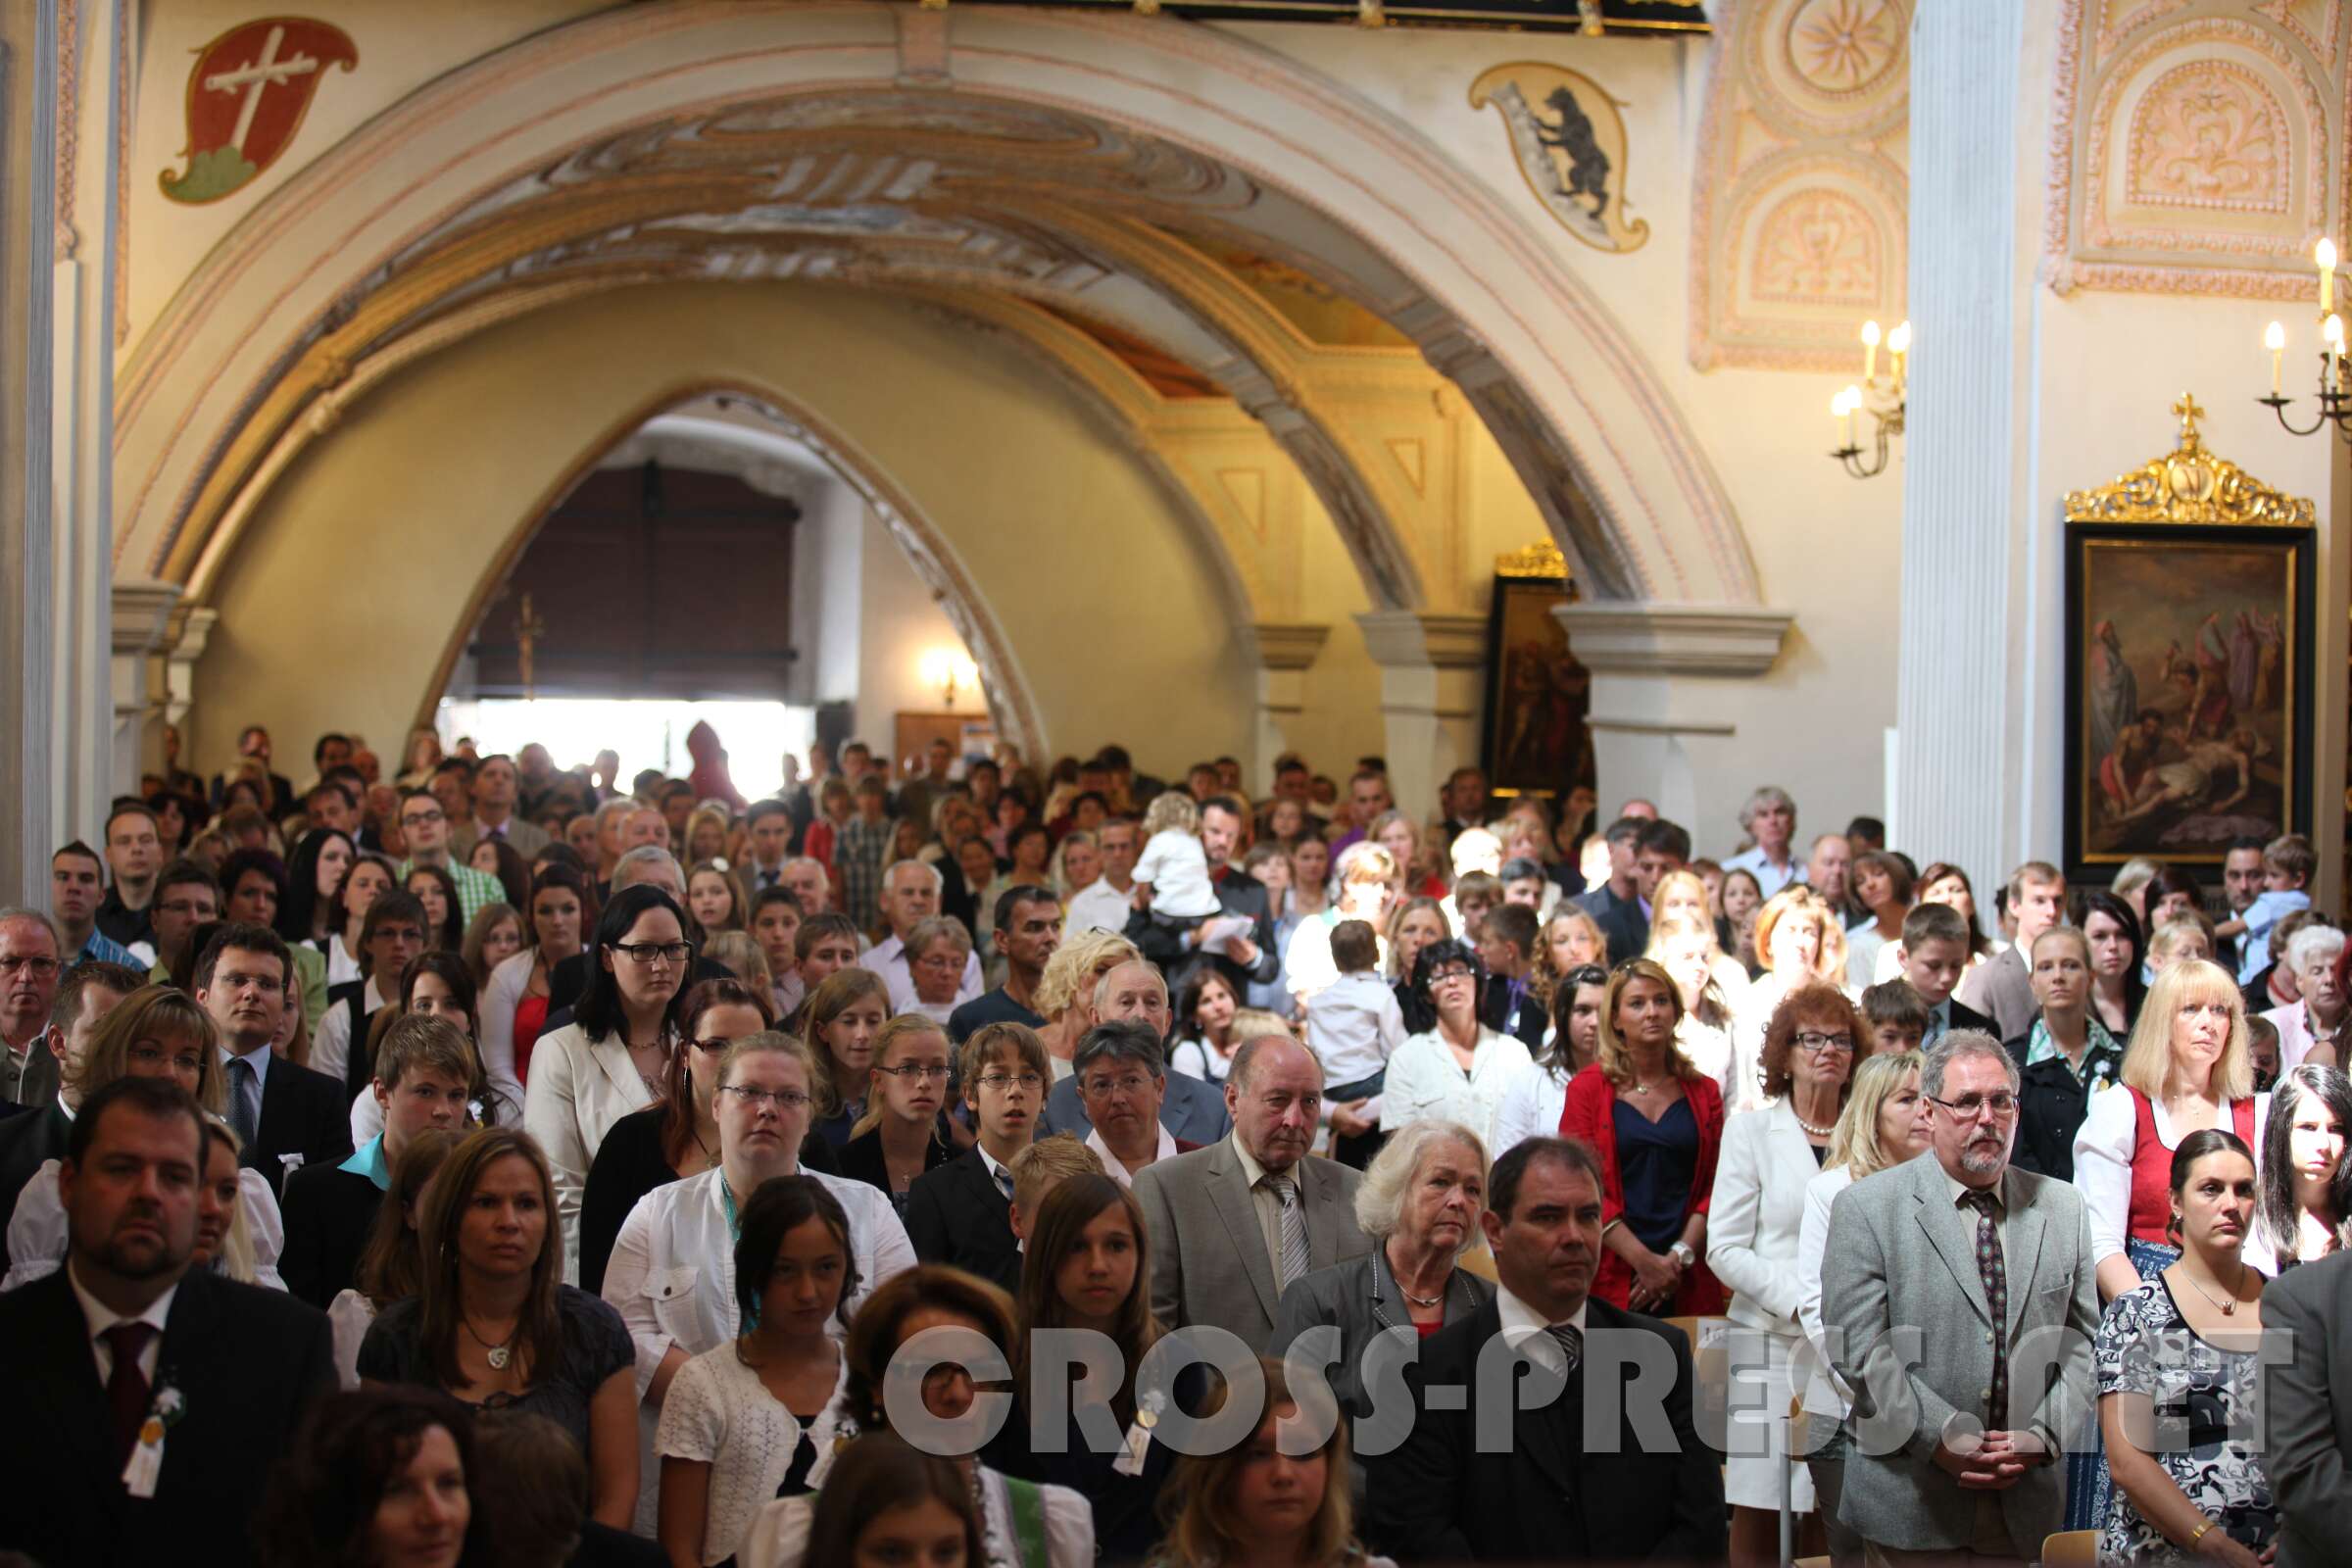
[357, 570]
[898, 623]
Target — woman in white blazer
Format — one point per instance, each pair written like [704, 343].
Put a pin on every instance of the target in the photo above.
[1768, 1156]
[609, 1060]
[672, 1273]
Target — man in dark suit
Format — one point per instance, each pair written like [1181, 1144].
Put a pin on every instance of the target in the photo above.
[1247, 958]
[286, 1116]
[1192, 1112]
[959, 1212]
[1576, 1480]
[1616, 904]
[2307, 1388]
[164, 1394]
[425, 1070]
[88, 994]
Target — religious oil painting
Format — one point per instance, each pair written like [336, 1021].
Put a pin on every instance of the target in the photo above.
[1536, 742]
[2188, 676]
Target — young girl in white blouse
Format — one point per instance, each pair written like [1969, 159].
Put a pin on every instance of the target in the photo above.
[758, 1418]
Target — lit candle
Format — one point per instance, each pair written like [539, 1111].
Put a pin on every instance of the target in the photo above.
[2332, 329]
[1870, 350]
[1899, 343]
[2274, 338]
[1844, 405]
[2325, 253]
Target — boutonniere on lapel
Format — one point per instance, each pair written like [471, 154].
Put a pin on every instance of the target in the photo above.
[2103, 1072]
[146, 1464]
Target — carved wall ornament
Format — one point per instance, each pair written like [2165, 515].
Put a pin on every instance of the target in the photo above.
[2196, 147]
[1570, 144]
[2190, 485]
[248, 94]
[1800, 207]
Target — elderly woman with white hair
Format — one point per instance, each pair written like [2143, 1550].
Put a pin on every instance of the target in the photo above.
[1768, 816]
[1420, 1202]
[2308, 1027]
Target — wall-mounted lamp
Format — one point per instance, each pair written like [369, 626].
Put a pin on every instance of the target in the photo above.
[949, 672]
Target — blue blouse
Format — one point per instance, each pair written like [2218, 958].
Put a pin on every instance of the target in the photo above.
[1655, 1165]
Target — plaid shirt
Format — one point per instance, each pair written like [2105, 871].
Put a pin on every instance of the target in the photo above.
[475, 889]
[860, 849]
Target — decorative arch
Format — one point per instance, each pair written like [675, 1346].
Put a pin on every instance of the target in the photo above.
[248, 345]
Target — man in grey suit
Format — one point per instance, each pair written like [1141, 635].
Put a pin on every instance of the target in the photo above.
[1964, 1296]
[1234, 1223]
[2002, 990]
[2307, 1388]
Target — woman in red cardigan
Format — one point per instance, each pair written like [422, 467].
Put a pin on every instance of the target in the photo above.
[1656, 1122]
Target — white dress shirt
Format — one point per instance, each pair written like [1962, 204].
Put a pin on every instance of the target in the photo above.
[97, 1317]
[1098, 907]
[330, 1047]
[1521, 1321]
[1111, 1165]
[888, 958]
[1769, 877]
[1425, 1081]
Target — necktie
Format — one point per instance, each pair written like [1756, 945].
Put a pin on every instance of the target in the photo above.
[1994, 1273]
[1004, 1182]
[126, 1385]
[1294, 1228]
[244, 1101]
[1571, 1340]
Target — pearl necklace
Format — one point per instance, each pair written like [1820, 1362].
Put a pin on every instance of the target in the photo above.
[1812, 1131]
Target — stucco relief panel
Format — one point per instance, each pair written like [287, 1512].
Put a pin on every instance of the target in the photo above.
[1799, 227]
[2197, 146]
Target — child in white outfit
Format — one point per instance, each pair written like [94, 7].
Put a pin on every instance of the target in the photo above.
[1171, 877]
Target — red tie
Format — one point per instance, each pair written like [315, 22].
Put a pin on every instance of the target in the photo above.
[127, 1387]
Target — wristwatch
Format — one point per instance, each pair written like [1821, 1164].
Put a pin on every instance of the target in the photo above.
[1680, 1253]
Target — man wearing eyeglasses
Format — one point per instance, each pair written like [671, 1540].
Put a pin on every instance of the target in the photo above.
[424, 829]
[961, 1213]
[29, 966]
[1121, 1080]
[1964, 1294]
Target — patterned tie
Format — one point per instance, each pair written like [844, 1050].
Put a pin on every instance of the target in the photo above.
[1004, 1182]
[1995, 1274]
[1294, 1228]
[126, 1385]
[1571, 1340]
[244, 1101]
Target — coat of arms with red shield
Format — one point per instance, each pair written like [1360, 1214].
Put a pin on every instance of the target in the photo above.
[247, 98]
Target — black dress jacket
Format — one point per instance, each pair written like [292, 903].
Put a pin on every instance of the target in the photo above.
[957, 1214]
[329, 1214]
[303, 1113]
[248, 1364]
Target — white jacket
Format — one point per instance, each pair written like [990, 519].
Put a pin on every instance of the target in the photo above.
[579, 1088]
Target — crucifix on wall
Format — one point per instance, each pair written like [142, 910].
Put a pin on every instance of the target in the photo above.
[528, 629]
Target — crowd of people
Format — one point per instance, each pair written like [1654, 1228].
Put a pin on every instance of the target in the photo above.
[479, 1162]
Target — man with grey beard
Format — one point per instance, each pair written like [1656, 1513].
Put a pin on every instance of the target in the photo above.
[1961, 1304]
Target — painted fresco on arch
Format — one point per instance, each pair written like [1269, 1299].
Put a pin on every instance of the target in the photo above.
[2189, 654]
[1537, 693]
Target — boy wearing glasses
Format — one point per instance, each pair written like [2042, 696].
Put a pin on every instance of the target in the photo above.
[959, 1213]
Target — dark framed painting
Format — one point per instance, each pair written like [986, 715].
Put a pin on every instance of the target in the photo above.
[1534, 739]
[2189, 599]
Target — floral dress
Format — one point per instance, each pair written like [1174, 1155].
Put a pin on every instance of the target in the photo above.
[2206, 1402]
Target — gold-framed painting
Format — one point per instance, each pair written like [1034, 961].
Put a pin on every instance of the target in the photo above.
[2189, 599]
[1535, 739]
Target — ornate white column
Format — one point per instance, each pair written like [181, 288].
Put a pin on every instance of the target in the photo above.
[1959, 662]
[142, 619]
[1431, 681]
[1665, 708]
[28, 59]
[1285, 651]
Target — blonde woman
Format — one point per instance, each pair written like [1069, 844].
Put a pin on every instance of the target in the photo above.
[1681, 942]
[1884, 1122]
[1684, 892]
[1066, 987]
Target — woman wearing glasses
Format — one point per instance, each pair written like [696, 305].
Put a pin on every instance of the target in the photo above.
[672, 1273]
[613, 1057]
[1768, 1154]
[1460, 1070]
[2187, 1069]
[903, 1133]
[677, 1135]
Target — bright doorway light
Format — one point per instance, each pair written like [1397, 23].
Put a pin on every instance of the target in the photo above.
[646, 733]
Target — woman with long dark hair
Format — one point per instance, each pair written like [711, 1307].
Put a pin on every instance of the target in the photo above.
[562, 908]
[377, 1476]
[314, 871]
[1531, 1108]
[613, 1057]
[494, 1323]
[2306, 1180]
[368, 876]
[392, 1263]
[444, 913]
[2118, 950]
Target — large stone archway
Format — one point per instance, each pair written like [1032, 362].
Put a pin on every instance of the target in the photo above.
[429, 206]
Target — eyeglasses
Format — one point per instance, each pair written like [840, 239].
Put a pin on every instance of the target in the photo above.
[40, 968]
[1000, 1081]
[712, 1048]
[787, 1100]
[655, 952]
[1453, 971]
[1842, 1045]
[917, 1071]
[1968, 1107]
[1132, 1083]
[414, 819]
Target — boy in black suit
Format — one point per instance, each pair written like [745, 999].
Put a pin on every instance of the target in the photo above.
[166, 1394]
[286, 1116]
[959, 1213]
